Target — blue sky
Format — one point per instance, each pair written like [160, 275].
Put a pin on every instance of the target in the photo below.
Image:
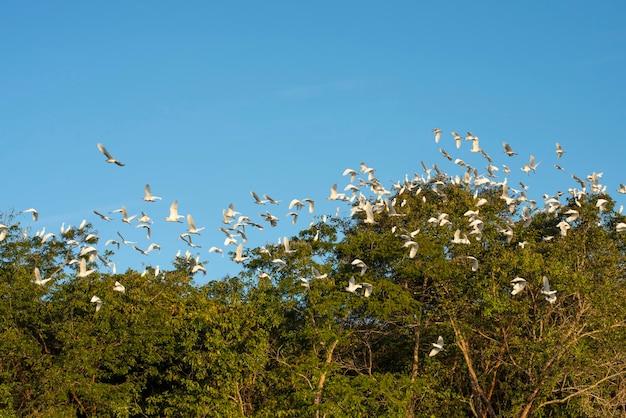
[207, 101]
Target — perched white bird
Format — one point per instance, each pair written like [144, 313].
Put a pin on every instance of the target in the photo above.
[95, 299]
[518, 285]
[118, 287]
[620, 227]
[304, 283]
[148, 197]
[550, 294]
[110, 158]
[174, 216]
[437, 347]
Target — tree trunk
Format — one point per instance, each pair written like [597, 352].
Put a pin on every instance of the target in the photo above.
[410, 413]
[320, 383]
[484, 406]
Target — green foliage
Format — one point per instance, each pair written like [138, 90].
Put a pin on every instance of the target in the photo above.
[290, 341]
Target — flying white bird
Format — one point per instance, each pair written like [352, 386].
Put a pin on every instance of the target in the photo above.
[257, 199]
[352, 285]
[110, 158]
[148, 197]
[125, 218]
[104, 217]
[239, 258]
[550, 294]
[95, 299]
[367, 289]
[38, 279]
[174, 216]
[518, 285]
[360, 264]
[192, 226]
[82, 271]
[507, 150]
[118, 287]
[34, 212]
[437, 133]
[437, 347]
[559, 150]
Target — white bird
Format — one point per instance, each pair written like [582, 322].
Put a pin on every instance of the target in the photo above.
[367, 289]
[437, 133]
[38, 279]
[457, 139]
[304, 283]
[216, 250]
[296, 203]
[124, 240]
[34, 212]
[192, 226]
[118, 287]
[507, 150]
[174, 216]
[620, 227]
[518, 285]
[550, 294]
[125, 218]
[104, 217]
[352, 285]
[257, 199]
[360, 264]
[369, 213]
[601, 204]
[559, 150]
[458, 239]
[437, 347]
[474, 261]
[271, 200]
[239, 258]
[82, 271]
[95, 299]
[352, 174]
[148, 197]
[110, 158]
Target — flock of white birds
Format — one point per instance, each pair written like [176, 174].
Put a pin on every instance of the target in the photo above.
[355, 193]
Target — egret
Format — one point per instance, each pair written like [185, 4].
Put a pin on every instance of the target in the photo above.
[518, 285]
[110, 158]
[437, 347]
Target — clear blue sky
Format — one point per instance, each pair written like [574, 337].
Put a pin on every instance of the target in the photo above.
[207, 101]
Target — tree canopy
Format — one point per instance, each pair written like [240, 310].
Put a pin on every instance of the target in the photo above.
[444, 295]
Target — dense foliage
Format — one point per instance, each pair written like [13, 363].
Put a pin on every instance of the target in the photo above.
[285, 339]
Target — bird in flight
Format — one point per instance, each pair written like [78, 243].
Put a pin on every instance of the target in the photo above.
[550, 294]
[437, 347]
[174, 216]
[38, 279]
[148, 197]
[118, 287]
[95, 299]
[110, 158]
[518, 285]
